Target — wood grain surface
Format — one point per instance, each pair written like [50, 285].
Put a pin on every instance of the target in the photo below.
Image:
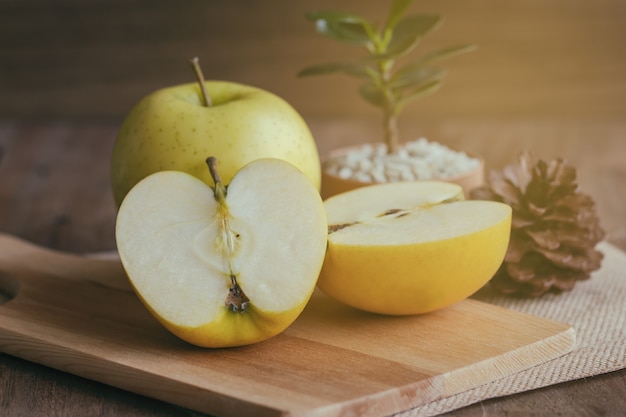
[326, 364]
[547, 76]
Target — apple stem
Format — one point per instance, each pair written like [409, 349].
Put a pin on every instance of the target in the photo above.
[195, 64]
[220, 190]
[211, 161]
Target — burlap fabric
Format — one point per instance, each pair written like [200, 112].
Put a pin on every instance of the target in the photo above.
[596, 308]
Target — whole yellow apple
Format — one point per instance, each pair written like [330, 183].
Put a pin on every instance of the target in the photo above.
[172, 129]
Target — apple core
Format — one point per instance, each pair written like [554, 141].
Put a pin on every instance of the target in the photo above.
[236, 300]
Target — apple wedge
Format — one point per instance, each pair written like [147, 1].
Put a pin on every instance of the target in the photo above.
[224, 266]
[411, 247]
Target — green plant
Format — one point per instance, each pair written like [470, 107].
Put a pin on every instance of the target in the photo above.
[386, 86]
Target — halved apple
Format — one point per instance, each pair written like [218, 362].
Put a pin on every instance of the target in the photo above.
[224, 266]
[411, 247]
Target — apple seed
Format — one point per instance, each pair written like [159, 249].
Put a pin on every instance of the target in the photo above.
[400, 213]
[334, 227]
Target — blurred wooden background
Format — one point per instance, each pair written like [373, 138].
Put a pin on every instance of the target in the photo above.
[96, 58]
[548, 75]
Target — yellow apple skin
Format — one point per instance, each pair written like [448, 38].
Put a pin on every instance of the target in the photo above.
[171, 130]
[416, 278]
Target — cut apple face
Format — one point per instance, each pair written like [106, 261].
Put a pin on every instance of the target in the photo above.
[411, 247]
[224, 266]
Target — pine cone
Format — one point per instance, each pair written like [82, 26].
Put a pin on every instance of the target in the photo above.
[554, 230]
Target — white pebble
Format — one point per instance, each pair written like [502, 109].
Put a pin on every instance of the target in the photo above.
[362, 177]
[345, 173]
[418, 159]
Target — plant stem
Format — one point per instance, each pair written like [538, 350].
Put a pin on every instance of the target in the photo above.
[195, 64]
[390, 120]
[391, 130]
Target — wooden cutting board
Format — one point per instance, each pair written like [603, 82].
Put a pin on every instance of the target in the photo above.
[333, 361]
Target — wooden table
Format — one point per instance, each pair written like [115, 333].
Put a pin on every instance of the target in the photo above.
[54, 191]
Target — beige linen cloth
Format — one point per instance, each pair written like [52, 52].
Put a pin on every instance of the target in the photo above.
[595, 308]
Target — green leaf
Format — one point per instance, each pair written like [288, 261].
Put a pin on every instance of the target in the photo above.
[356, 70]
[418, 24]
[419, 92]
[444, 53]
[416, 76]
[344, 27]
[372, 94]
[398, 9]
[409, 31]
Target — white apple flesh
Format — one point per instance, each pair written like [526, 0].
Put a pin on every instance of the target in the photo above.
[224, 266]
